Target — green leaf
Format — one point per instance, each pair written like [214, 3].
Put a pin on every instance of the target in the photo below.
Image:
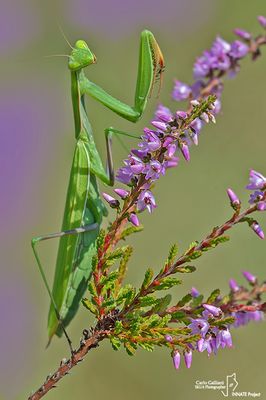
[125, 293]
[213, 296]
[130, 348]
[123, 263]
[172, 254]
[197, 301]
[87, 304]
[152, 321]
[115, 342]
[147, 278]
[195, 255]
[100, 239]
[109, 303]
[162, 304]
[220, 239]
[146, 346]
[224, 321]
[187, 269]
[92, 288]
[178, 315]
[186, 299]
[118, 327]
[109, 279]
[147, 301]
[129, 230]
[167, 283]
[94, 262]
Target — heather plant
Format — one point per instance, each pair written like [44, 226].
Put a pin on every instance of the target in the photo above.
[149, 316]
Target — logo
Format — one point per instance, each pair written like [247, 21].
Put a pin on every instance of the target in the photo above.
[226, 388]
[231, 384]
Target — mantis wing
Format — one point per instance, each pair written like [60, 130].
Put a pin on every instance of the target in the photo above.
[73, 218]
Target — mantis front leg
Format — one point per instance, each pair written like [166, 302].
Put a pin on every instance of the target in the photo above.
[150, 68]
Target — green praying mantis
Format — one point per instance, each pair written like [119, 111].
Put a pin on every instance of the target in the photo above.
[84, 209]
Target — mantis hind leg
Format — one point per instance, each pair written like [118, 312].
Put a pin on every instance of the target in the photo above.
[34, 242]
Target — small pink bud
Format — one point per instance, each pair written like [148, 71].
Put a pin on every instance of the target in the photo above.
[188, 358]
[215, 311]
[168, 338]
[134, 219]
[249, 277]
[233, 285]
[242, 34]
[176, 359]
[233, 197]
[162, 126]
[181, 114]
[262, 21]
[261, 206]
[185, 151]
[112, 202]
[205, 118]
[194, 103]
[122, 193]
[257, 229]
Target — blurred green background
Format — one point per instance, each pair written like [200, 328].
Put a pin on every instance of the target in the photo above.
[37, 142]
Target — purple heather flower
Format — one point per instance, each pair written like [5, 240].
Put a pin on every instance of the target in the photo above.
[249, 277]
[151, 141]
[153, 170]
[226, 338]
[199, 325]
[171, 162]
[164, 114]
[220, 46]
[181, 91]
[233, 285]
[233, 197]
[242, 34]
[185, 151]
[181, 114]
[124, 175]
[196, 125]
[110, 200]
[257, 229]
[205, 117]
[215, 311]
[176, 359]
[262, 21]
[146, 200]
[122, 193]
[135, 164]
[171, 149]
[134, 219]
[188, 358]
[261, 206]
[256, 180]
[255, 196]
[201, 67]
[244, 317]
[238, 49]
[194, 292]
[162, 126]
[217, 106]
[204, 344]
[168, 338]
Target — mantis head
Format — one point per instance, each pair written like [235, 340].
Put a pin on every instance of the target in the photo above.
[81, 56]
